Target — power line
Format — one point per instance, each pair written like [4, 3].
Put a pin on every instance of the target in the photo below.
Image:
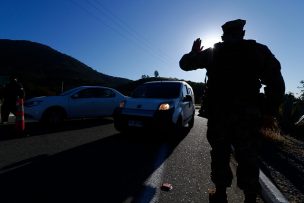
[128, 34]
[132, 31]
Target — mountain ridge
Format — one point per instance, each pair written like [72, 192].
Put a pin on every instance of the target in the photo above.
[43, 69]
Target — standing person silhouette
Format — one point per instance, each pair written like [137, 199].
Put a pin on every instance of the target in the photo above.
[11, 92]
[236, 69]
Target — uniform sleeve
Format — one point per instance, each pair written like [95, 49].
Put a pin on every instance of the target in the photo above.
[272, 78]
[193, 60]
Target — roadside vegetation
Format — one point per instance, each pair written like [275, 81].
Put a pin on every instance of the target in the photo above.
[282, 148]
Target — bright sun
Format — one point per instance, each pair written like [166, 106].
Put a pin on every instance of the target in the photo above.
[209, 41]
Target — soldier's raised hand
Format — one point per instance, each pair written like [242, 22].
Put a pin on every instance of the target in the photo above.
[196, 47]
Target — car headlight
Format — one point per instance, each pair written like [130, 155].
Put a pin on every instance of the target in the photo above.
[32, 103]
[164, 107]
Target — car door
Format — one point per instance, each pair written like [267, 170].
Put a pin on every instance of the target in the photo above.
[104, 102]
[81, 103]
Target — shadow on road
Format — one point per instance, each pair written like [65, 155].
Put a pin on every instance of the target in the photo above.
[112, 169]
[8, 132]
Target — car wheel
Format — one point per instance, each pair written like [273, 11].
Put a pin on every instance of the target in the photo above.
[53, 117]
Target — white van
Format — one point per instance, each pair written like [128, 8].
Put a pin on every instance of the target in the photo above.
[157, 105]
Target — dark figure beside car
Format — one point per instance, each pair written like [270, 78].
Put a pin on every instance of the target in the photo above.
[11, 92]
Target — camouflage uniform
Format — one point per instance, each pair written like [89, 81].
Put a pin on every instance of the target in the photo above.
[236, 70]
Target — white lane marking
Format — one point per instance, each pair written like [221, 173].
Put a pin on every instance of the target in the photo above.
[152, 184]
[270, 192]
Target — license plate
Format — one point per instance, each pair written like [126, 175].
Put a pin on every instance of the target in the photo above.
[133, 123]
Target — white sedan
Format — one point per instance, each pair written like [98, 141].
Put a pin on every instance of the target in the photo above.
[80, 102]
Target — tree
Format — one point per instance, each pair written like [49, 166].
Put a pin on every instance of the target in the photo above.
[156, 74]
[145, 76]
[302, 90]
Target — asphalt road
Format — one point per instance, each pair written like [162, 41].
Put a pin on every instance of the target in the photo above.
[89, 161]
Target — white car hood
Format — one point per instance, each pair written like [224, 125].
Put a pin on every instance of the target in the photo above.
[146, 103]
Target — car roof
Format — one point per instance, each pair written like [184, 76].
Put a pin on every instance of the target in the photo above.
[166, 81]
[72, 90]
[88, 86]
[91, 86]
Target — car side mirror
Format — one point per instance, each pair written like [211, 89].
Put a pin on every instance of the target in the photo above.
[187, 98]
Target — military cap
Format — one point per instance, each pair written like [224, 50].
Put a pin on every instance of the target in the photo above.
[234, 26]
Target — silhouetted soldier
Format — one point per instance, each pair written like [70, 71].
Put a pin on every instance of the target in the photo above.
[236, 68]
[11, 92]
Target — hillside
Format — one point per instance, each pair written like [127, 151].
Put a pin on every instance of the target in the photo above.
[42, 69]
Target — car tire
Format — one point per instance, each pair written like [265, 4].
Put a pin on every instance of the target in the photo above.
[53, 117]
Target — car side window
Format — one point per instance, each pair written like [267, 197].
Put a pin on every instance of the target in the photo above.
[185, 91]
[190, 91]
[109, 93]
[86, 93]
[104, 93]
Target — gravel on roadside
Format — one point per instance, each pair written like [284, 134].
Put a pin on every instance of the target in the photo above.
[283, 163]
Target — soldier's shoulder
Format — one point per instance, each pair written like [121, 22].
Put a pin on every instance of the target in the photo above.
[218, 44]
[261, 48]
[255, 43]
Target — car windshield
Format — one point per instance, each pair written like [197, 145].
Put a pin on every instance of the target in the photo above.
[157, 90]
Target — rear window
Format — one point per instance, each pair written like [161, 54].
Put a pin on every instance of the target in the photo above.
[157, 90]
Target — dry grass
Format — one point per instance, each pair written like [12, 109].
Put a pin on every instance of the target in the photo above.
[272, 132]
[273, 135]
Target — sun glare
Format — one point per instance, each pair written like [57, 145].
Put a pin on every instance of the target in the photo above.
[209, 41]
